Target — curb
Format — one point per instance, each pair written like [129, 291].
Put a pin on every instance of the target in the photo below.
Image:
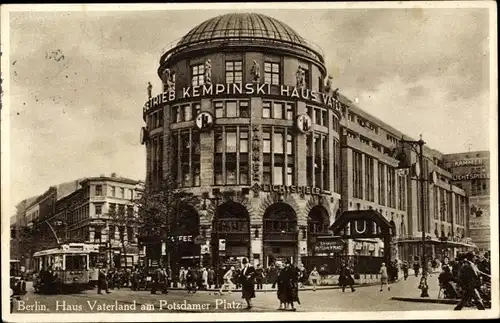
[426, 300]
[275, 289]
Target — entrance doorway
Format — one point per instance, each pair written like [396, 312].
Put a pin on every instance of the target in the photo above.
[280, 234]
[317, 225]
[232, 225]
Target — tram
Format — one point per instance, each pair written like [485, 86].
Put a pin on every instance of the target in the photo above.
[65, 268]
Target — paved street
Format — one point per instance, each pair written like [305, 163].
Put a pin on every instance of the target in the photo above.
[368, 298]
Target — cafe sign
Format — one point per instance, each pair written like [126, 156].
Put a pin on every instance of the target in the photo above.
[225, 89]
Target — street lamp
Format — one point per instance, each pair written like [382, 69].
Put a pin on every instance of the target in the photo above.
[420, 178]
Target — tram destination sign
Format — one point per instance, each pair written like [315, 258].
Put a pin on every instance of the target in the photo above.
[224, 89]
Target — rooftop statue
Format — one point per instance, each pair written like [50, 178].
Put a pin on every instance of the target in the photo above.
[150, 89]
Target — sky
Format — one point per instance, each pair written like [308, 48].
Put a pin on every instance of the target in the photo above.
[78, 80]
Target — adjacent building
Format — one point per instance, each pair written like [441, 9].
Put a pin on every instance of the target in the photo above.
[250, 122]
[96, 210]
[471, 172]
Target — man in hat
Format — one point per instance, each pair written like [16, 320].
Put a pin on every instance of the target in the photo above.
[469, 279]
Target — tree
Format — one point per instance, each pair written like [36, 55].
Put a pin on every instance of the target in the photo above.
[124, 219]
[158, 209]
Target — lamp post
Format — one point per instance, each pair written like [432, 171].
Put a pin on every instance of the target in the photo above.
[420, 178]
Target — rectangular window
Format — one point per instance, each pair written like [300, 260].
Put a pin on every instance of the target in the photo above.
[197, 74]
[317, 160]
[266, 165]
[271, 73]
[243, 141]
[391, 187]
[188, 112]
[113, 191]
[266, 109]
[234, 72]
[231, 111]
[278, 143]
[266, 141]
[219, 150]
[112, 208]
[219, 109]
[175, 157]
[381, 183]
[196, 109]
[317, 116]
[402, 192]
[130, 234]
[195, 157]
[336, 163]
[309, 160]
[231, 158]
[336, 124]
[97, 234]
[98, 190]
[326, 163]
[290, 107]
[324, 118]
[357, 172]
[98, 209]
[244, 109]
[278, 110]
[369, 179]
[186, 179]
[244, 168]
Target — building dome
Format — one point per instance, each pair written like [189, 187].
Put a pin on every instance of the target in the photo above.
[236, 25]
[252, 29]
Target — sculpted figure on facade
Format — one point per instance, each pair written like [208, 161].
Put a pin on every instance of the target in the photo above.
[328, 86]
[150, 90]
[168, 78]
[208, 72]
[255, 72]
[300, 76]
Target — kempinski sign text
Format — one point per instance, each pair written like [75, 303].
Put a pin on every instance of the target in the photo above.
[243, 89]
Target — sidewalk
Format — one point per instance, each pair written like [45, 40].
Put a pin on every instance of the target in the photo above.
[267, 288]
[411, 293]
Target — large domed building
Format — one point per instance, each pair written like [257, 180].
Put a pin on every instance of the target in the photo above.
[247, 123]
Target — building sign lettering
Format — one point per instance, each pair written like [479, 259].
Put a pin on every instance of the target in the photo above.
[181, 238]
[469, 162]
[329, 246]
[291, 189]
[243, 89]
[467, 177]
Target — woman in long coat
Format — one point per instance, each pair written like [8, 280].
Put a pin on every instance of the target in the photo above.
[247, 280]
[288, 289]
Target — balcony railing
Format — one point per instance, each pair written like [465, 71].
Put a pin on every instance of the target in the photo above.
[280, 236]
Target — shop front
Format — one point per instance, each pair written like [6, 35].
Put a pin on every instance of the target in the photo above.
[230, 233]
[280, 236]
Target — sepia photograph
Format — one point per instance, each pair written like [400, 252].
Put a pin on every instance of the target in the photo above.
[249, 161]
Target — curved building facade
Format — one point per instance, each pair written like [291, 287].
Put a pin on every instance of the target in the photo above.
[248, 122]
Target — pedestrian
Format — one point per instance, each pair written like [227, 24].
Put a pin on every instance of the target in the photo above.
[157, 280]
[384, 279]
[182, 277]
[227, 281]
[429, 268]
[247, 281]
[405, 270]
[416, 268]
[273, 275]
[288, 286]
[470, 281]
[204, 277]
[102, 282]
[314, 278]
[302, 275]
[345, 277]
[191, 279]
[259, 276]
[211, 277]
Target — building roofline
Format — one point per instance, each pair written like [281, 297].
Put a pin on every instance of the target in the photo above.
[110, 179]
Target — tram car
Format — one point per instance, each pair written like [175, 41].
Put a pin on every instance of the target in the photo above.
[65, 268]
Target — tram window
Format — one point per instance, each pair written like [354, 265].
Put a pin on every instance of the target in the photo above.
[75, 262]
